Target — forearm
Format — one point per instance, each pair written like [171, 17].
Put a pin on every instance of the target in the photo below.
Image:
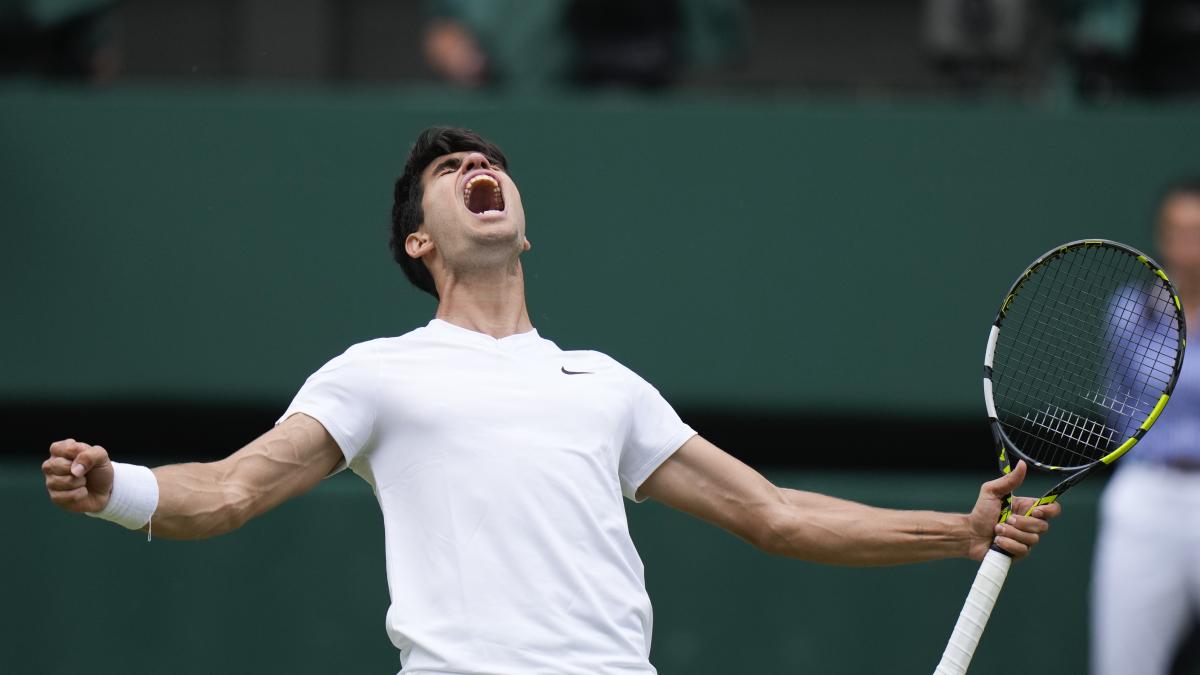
[204, 500]
[708, 483]
[197, 501]
[829, 530]
[193, 503]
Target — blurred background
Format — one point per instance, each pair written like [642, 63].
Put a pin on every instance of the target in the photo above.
[796, 219]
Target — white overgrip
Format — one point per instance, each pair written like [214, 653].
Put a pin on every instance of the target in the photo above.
[975, 613]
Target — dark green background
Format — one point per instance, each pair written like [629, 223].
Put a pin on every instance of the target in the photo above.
[303, 591]
[775, 257]
[778, 254]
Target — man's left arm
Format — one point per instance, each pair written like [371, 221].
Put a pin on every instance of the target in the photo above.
[704, 481]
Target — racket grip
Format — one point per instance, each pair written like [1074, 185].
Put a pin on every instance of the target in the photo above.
[975, 612]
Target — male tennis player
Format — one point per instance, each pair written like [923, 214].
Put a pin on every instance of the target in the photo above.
[499, 461]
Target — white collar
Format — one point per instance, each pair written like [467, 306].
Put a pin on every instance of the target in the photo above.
[445, 327]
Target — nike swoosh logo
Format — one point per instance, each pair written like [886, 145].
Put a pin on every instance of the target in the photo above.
[576, 372]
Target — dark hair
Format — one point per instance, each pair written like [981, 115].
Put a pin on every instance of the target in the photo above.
[407, 215]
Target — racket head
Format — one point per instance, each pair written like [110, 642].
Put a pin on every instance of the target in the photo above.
[1083, 355]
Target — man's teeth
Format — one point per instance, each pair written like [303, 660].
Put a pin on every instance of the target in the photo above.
[481, 178]
[481, 181]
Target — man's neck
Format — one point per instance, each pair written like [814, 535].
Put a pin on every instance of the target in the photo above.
[492, 304]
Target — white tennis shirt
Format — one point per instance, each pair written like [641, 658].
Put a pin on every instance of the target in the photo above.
[499, 466]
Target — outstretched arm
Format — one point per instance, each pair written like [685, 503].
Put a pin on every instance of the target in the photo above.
[706, 482]
[203, 500]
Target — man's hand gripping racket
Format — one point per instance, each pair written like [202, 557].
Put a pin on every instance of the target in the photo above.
[1092, 343]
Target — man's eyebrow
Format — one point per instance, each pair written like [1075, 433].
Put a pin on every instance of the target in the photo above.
[448, 163]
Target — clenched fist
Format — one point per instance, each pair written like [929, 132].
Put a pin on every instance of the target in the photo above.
[79, 476]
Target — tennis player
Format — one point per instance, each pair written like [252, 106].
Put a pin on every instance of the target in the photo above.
[499, 461]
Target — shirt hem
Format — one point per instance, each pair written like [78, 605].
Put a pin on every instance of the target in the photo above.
[333, 431]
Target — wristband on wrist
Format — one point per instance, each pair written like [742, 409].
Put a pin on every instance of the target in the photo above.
[134, 496]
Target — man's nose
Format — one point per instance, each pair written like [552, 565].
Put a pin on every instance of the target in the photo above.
[476, 160]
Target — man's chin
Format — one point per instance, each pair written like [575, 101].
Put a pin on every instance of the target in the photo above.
[500, 225]
[499, 235]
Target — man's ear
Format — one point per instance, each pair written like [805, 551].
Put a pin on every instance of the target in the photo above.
[418, 244]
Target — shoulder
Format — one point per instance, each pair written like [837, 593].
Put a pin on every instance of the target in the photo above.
[369, 353]
[357, 362]
[373, 349]
[361, 352]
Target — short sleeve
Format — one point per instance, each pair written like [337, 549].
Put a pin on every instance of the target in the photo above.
[342, 396]
[655, 433]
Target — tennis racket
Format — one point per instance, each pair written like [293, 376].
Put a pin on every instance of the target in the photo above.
[1080, 362]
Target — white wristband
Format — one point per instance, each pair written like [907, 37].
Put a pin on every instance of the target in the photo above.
[134, 496]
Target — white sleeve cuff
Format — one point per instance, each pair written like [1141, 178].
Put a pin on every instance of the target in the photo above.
[134, 496]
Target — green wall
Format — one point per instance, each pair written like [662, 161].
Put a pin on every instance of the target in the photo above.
[302, 590]
[222, 244]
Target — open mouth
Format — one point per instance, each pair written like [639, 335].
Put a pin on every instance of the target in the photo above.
[482, 194]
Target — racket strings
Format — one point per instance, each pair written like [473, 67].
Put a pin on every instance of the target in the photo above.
[1052, 434]
[1125, 319]
[1034, 362]
[1063, 424]
[1072, 428]
[1088, 346]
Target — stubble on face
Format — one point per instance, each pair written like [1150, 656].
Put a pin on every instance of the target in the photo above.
[464, 240]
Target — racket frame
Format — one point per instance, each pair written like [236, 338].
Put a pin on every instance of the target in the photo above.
[1006, 449]
[989, 580]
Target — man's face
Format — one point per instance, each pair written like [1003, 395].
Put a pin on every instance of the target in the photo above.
[1179, 233]
[473, 212]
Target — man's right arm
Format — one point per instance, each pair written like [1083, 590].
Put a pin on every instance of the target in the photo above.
[203, 500]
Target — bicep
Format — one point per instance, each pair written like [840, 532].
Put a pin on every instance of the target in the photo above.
[702, 480]
[287, 461]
